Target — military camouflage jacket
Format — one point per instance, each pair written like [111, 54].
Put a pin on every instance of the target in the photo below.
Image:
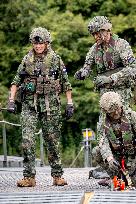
[46, 78]
[117, 54]
[118, 136]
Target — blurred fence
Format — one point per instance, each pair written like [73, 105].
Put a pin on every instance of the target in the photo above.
[4, 136]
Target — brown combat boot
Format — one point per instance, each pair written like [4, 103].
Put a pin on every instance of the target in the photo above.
[58, 181]
[26, 182]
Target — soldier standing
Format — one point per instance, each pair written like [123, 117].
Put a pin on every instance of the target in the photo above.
[41, 78]
[112, 57]
[117, 140]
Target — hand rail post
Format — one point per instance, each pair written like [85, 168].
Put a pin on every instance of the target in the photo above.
[4, 145]
[41, 149]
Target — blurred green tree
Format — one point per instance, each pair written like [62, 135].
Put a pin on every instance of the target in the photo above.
[67, 21]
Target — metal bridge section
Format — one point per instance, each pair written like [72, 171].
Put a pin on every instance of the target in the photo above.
[70, 197]
[80, 189]
[113, 197]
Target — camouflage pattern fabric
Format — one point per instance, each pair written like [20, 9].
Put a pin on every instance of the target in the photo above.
[28, 122]
[106, 59]
[117, 57]
[118, 54]
[41, 103]
[51, 66]
[125, 93]
[47, 63]
[98, 23]
[125, 77]
[126, 96]
[109, 136]
[51, 128]
[43, 33]
[110, 102]
[114, 60]
[100, 173]
[99, 160]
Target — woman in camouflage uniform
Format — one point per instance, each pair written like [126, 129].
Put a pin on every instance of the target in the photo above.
[41, 78]
[118, 139]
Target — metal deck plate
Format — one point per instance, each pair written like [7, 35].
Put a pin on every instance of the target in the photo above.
[71, 197]
[112, 197]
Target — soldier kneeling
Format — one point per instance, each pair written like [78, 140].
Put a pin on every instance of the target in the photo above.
[116, 150]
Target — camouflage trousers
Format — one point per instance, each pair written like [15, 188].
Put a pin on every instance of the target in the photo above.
[51, 130]
[131, 164]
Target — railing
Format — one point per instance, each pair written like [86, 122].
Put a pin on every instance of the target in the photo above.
[3, 122]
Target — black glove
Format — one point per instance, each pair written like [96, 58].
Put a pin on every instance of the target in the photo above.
[114, 165]
[11, 107]
[69, 111]
[78, 75]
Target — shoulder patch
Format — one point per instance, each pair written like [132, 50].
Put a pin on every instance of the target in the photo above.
[130, 59]
[64, 70]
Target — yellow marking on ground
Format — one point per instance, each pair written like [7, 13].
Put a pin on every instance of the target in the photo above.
[87, 197]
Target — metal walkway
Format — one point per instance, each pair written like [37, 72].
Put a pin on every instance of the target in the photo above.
[42, 197]
[113, 197]
[80, 189]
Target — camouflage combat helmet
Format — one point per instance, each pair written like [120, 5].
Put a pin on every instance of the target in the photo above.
[98, 23]
[40, 35]
[110, 101]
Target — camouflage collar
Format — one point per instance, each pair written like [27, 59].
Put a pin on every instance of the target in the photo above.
[124, 122]
[108, 62]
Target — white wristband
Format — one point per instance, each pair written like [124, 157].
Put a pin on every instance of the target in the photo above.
[70, 103]
[11, 100]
